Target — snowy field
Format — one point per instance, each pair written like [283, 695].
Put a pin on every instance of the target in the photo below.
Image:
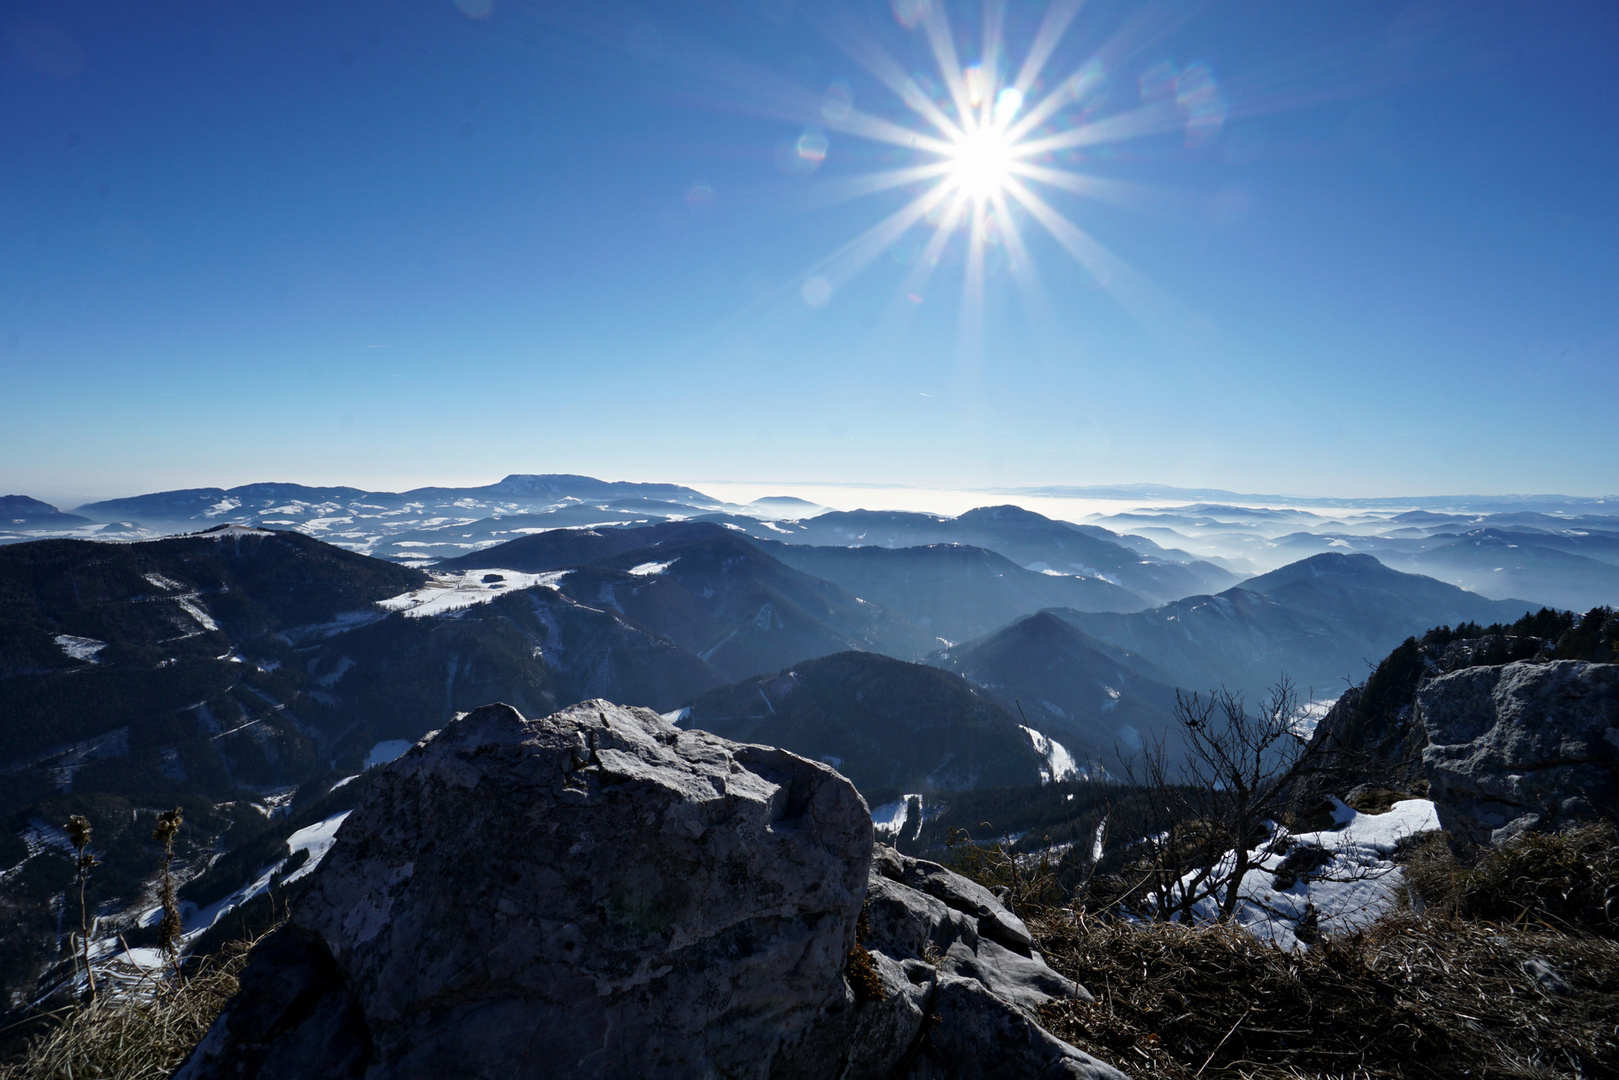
[456, 589]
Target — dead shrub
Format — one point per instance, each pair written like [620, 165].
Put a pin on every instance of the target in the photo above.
[1024, 886]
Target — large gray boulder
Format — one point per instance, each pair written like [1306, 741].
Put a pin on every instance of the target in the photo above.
[600, 894]
[1519, 746]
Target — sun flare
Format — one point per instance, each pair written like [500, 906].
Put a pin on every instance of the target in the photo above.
[983, 147]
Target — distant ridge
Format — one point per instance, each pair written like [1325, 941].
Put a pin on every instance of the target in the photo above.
[24, 512]
[1319, 621]
[248, 498]
[1606, 505]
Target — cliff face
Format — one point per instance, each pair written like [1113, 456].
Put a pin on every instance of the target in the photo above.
[1518, 746]
[1501, 737]
[600, 894]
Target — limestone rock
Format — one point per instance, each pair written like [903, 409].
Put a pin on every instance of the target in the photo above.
[1521, 745]
[600, 894]
[963, 979]
[597, 894]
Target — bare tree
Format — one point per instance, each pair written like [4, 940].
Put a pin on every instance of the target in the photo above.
[1211, 815]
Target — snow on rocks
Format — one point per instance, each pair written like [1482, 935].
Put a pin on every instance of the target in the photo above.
[889, 819]
[452, 590]
[1059, 764]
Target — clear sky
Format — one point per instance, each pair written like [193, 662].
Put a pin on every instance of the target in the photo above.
[1359, 248]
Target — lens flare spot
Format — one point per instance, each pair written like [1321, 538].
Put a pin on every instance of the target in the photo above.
[1201, 103]
[1158, 82]
[909, 12]
[812, 145]
[990, 231]
[1082, 82]
[838, 102]
[700, 196]
[817, 292]
[1007, 104]
[905, 250]
[977, 85]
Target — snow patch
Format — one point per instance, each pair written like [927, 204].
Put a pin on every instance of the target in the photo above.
[385, 751]
[80, 648]
[197, 613]
[231, 532]
[1356, 885]
[1059, 763]
[453, 590]
[652, 569]
[316, 839]
[1309, 715]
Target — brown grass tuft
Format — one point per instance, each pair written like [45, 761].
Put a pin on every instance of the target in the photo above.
[138, 1034]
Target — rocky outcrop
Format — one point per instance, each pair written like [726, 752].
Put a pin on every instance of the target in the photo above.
[1500, 734]
[1520, 746]
[961, 980]
[600, 894]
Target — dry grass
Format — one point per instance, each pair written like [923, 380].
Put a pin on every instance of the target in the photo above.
[1414, 996]
[1569, 879]
[138, 1033]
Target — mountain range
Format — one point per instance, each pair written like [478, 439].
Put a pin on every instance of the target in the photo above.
[248, 673]
[1552, 549]
[1320, 621]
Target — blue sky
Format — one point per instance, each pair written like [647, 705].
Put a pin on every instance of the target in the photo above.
[389, 244]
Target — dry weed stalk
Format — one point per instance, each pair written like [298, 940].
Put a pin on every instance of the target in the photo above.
[78, 834]
[170, 929]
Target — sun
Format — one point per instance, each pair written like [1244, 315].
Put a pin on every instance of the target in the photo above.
[981, 162]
